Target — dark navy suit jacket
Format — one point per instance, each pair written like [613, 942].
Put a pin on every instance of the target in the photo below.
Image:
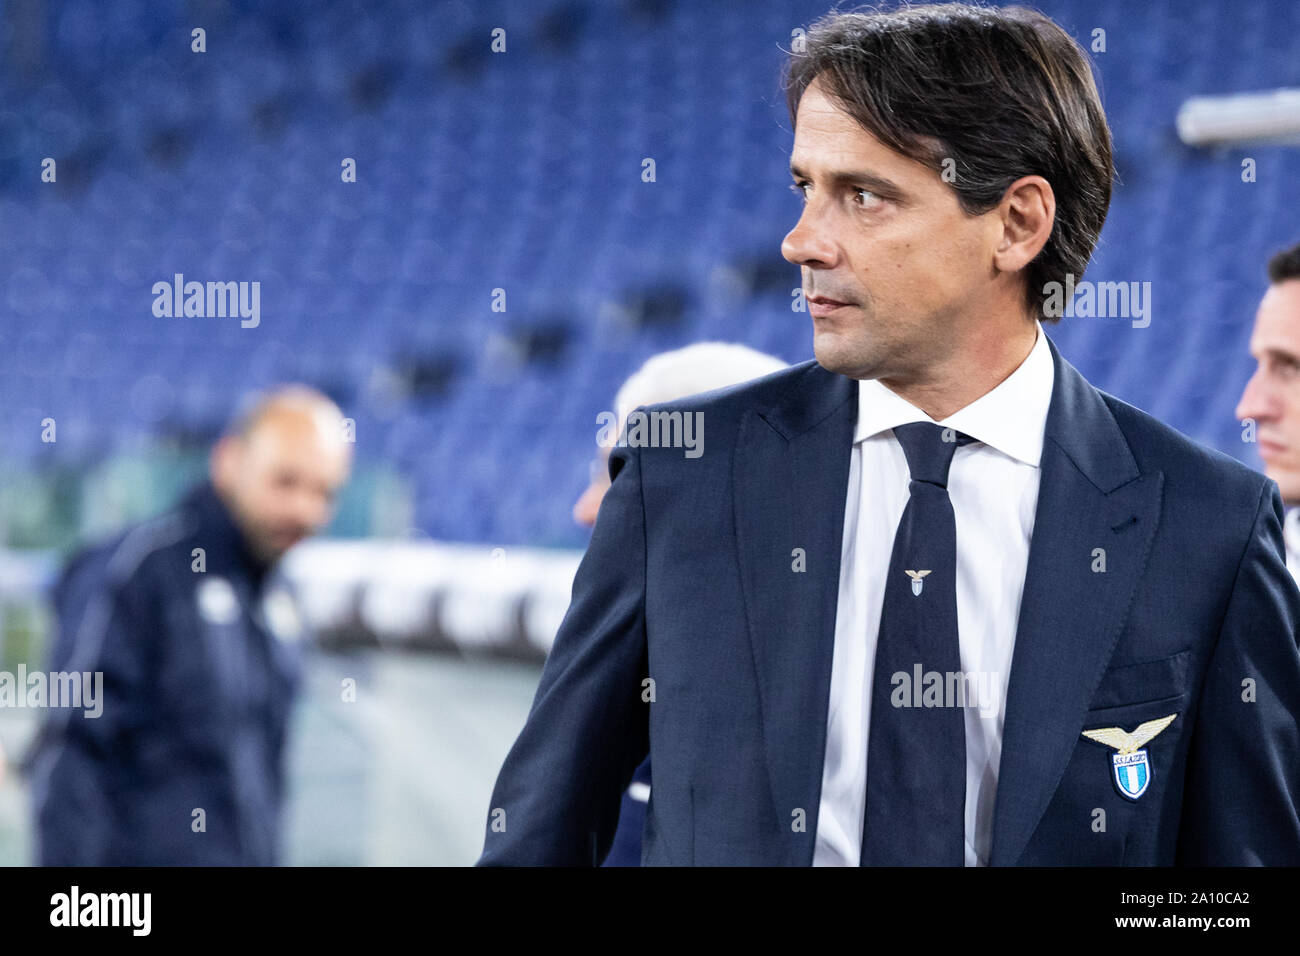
[688, 583]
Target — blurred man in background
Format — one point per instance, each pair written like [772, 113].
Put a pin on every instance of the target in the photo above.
[1272, 396]
[196, 642]
[663, 378]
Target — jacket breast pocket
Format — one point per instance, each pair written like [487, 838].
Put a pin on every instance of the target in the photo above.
[1133, 753]
[1113, 804]
[1134, 726]
[1132, 684]
[1116, 803]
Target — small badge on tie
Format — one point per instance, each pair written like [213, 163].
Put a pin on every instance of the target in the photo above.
[916, 577]
[1132, 767]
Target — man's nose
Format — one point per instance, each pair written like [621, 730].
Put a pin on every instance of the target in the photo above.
[807, 243]
[1257, 400]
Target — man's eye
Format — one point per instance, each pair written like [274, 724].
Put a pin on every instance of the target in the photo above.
[1279, 366]
[869, 199]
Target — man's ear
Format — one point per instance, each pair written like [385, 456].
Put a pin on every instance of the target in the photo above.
[1026, 214]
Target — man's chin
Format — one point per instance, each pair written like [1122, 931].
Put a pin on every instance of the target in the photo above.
[271, 550]
[836, 355]
[1288, 485]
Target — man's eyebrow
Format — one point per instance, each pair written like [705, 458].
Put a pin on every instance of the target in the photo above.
[854, 178]
[1282, 355]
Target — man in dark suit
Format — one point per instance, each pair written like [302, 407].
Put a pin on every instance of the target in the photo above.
[933, 598]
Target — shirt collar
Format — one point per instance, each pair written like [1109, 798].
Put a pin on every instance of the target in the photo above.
[1291, 530]
[1010, 417]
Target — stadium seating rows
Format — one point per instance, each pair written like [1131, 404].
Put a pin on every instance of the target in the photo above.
[522, 171]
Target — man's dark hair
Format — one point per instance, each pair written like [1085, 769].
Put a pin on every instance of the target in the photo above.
[1285, 265]
[1003, 92]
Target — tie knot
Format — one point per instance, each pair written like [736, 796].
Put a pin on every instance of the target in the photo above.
[929, 449]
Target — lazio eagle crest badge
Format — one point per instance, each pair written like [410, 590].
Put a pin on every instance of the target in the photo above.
[917, 582]
[1131, 765]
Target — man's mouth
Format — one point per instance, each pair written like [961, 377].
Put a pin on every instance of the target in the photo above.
[821, 306]
[286, 538]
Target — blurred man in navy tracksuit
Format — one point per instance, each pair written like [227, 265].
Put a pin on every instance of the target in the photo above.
[196, 640]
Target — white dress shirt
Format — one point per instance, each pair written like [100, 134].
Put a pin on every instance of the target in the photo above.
[993, 485]
[1291, 535]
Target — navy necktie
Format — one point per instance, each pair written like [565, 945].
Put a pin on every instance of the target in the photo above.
[916, 754]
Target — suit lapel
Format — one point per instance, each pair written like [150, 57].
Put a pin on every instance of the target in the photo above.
[790, 475]
[1091, 496]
